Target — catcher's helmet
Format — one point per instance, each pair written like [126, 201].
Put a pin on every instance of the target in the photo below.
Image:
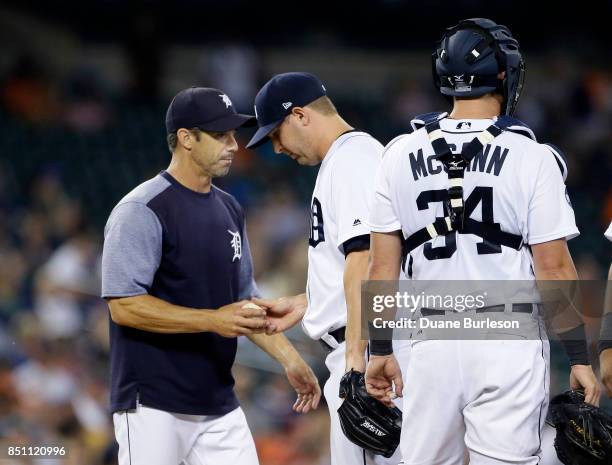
[469, 57]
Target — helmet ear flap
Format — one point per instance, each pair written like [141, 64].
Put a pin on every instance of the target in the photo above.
[512, 91]
[436, 77]
[443, 55]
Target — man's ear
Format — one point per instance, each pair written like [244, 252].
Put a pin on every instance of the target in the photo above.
[185, 138]
[302, 116]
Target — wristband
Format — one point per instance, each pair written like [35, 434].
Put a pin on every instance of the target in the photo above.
[380, 340]
[384, 347]
[574, 343]
[605, 338]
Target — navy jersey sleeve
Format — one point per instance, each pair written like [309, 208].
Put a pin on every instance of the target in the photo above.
[132, 250]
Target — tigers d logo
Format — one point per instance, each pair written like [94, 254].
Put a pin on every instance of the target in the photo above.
[317, 234]
[236, 243]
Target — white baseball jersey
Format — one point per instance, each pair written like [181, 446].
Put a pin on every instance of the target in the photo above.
[515, 183]
[339, 211]
[608, 232]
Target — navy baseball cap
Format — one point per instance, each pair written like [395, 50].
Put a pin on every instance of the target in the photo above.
[205, 108]
[278, 96]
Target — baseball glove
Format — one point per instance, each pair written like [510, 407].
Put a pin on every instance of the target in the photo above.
[584, 432]
[365, 421]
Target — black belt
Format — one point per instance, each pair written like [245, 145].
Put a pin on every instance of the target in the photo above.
[338, 334]
[516, 308]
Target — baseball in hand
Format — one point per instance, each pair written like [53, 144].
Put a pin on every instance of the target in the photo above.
[252, 305]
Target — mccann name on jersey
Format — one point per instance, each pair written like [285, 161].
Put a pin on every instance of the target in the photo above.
[490, 160]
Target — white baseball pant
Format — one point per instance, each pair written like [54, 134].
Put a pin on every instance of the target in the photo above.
[490, 397]
[148, 436]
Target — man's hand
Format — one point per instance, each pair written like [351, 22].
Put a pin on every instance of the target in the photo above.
[232, 320]
[382, 374]
[582, 377]
[306, 385]
[283, 313]
[605, 364]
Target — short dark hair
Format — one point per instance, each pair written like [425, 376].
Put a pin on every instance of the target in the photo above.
[323, 105]
[172, 138]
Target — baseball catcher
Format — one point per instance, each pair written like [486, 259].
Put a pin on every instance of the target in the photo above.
[584, 432]
[365, 421]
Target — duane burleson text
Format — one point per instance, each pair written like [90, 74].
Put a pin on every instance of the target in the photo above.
[427, 323]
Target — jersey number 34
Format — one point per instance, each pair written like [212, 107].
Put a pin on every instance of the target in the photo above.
[482, 195]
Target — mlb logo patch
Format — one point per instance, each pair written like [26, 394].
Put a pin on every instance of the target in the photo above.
[464, 125]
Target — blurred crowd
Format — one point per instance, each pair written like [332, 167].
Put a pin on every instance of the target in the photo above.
[72, 144]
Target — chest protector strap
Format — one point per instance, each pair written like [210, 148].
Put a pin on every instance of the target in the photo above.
[454, 208]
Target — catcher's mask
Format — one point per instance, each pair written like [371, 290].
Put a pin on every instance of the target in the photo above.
[469, 57]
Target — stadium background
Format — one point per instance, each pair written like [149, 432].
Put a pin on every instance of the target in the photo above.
[83, 93]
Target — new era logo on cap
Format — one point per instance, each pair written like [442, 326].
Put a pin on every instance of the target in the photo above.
[287, 105]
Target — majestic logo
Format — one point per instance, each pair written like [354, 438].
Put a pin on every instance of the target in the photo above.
[287, 105]
[226, 100]
[357, 222]
[464, 125]
[236, 244]
[459, 77]
[369, 426]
